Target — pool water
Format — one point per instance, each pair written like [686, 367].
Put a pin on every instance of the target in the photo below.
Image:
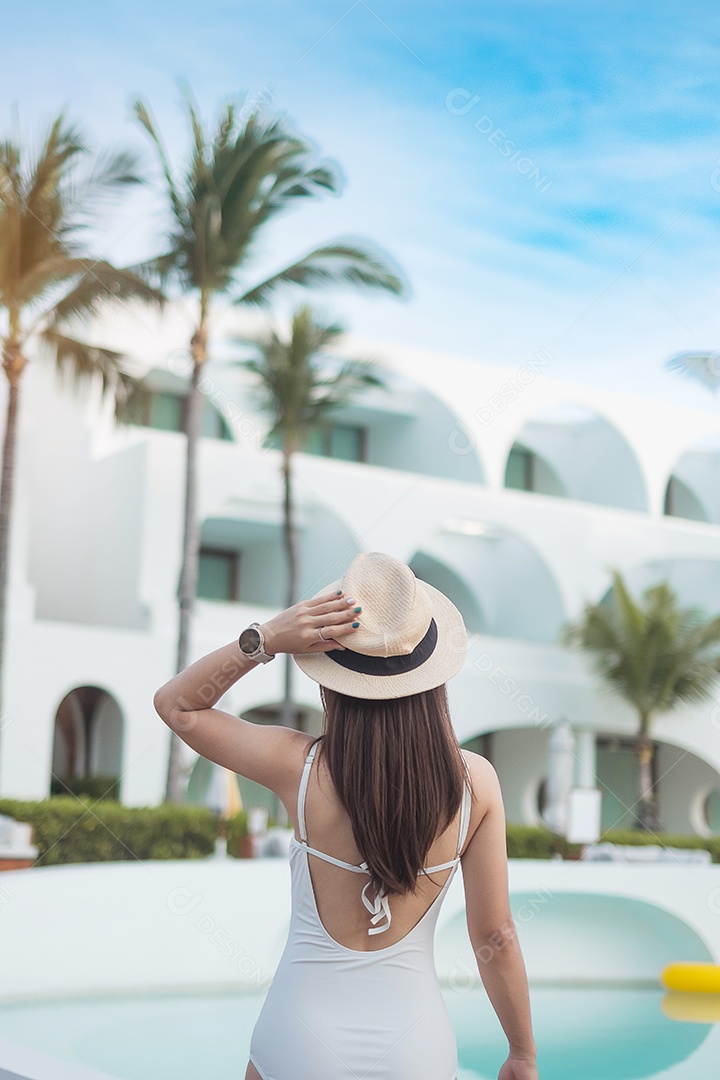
[582, 1033]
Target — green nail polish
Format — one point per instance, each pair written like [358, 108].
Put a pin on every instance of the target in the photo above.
[355, 625]
[339, 592]
[358, 610]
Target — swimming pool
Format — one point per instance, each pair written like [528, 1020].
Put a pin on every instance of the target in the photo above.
[584, 1033]
[152, 970]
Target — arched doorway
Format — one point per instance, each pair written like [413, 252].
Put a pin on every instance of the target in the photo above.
[87, 744]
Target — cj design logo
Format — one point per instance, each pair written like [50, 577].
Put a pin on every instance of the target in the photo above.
[180, 362]
[461, 978]
[715, 176]
[460, 102]
[182, 901]
[715, 717]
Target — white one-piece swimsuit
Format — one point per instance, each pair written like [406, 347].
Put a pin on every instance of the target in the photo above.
[334, 1013]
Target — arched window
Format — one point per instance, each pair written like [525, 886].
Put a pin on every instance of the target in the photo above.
[87, 744]
[693, 490]
[527, 471]
[571, 451]
[500, 584]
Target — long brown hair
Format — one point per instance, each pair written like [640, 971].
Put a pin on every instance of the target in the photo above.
[397, 766]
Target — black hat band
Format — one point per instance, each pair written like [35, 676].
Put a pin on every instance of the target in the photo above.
[387, 665]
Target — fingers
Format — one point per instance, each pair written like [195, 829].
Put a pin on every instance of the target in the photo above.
[336, 597]
[330, 604]
[327, 646]
[320, 624]
[338, 618]
[326, 642]
[344, 630]
[339, 633]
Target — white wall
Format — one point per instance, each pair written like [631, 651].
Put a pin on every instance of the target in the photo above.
[223, 923]
[684, 783]
[520, 759]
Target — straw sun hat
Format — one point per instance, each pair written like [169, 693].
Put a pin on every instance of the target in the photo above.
[411, 638]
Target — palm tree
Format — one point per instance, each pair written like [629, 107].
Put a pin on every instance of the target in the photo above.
[704, 367]
[653, 653]
[49, 282]
[300, 390]
[236, 181]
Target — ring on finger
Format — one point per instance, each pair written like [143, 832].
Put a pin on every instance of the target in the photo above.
[322, 637]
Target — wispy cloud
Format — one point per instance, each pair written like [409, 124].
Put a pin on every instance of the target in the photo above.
[614, 107]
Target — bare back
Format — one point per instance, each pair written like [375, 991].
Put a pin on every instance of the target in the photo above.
[338, 893]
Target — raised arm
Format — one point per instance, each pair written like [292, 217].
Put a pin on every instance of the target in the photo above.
[491, 927]
[266, 754]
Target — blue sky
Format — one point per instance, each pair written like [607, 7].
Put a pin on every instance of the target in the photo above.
[573, 205]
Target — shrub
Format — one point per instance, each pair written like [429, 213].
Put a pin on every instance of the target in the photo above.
[639, 838]
[69, 830]
[236, 831]
[80, 830]
[531, 842]
[95, 787]
[534, 842]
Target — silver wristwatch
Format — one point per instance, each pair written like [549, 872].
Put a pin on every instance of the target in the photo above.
[252, 644]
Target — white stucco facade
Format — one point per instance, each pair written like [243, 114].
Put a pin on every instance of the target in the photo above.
[96, 549]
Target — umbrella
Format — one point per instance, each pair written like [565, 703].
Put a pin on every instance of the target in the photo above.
[223, 793]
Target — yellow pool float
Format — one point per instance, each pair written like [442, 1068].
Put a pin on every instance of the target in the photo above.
[691, 1008]
[692, 978]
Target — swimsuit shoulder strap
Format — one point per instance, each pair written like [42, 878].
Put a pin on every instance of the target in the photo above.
[302, 792]
[464, 815]
[462, 833]
[302, 824]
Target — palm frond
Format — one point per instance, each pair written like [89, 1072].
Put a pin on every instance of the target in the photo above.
[297, 383]
[110, 172]
[652, 652]
[49, 271]
[133, 398]
[332, 265]
[102, 283]
[76, 361]
[703, 367]
[144, 118]
[156, 272]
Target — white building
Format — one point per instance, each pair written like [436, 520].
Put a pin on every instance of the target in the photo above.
[513, 492]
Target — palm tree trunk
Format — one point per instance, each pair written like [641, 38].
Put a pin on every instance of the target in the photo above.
[187, 590]
[288, 713]
[13, 364]
[644, 750]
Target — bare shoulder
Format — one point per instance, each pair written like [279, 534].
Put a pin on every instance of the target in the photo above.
[486, 794]
[483, 777]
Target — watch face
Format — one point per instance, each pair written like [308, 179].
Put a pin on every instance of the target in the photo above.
[249, 640]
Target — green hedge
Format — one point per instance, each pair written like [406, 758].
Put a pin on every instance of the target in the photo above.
[71, 830]
[638, 838]
[530, 842]
[68, 830]
[95, 787]
[235, 830]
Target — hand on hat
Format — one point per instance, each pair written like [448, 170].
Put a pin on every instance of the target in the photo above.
[316, 625]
